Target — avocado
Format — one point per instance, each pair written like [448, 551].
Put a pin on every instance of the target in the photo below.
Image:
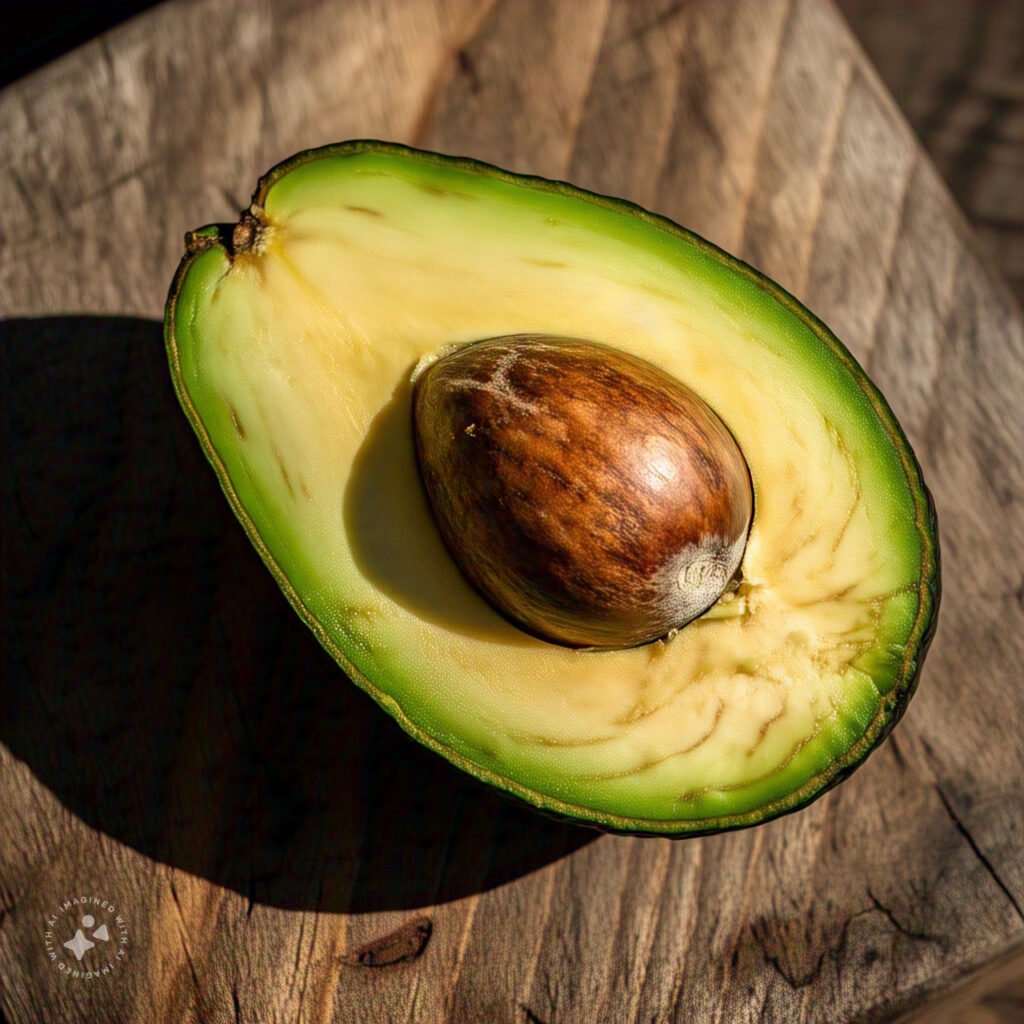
[299, 341]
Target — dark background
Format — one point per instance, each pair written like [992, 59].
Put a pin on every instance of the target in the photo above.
[36, 33]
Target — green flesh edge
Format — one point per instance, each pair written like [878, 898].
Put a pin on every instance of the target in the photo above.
[292, 361]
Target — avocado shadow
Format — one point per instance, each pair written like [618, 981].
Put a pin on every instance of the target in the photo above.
[396, 542]
[158, 683]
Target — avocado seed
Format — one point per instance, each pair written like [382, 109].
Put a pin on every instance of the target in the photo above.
[590, 497]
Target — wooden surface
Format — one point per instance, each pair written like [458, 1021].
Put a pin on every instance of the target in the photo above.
[957, 71]
[994, 995]
[175, 742]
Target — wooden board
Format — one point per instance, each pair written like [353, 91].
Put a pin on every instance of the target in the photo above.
[173, 741]
[957, 72]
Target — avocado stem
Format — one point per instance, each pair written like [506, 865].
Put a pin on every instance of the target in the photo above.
[245, 236]
[248, 235]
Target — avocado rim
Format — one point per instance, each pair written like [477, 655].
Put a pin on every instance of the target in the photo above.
[893, 703]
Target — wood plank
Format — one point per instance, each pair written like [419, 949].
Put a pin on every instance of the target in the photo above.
[994, 995]
[957, 72]
[174, 741]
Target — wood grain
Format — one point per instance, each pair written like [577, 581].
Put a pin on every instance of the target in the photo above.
[174, 741]
[957, 72]
[994, 995]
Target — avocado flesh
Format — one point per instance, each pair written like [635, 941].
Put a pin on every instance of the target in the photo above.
[293, 361]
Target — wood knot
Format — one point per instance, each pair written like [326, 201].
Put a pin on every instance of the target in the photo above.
[404, 943]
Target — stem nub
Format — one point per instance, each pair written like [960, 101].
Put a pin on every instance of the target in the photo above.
[246, 233]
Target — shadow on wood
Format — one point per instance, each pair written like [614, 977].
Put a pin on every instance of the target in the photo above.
[161, 687]
[395, 540]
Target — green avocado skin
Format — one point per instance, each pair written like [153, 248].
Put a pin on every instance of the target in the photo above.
[892, 703]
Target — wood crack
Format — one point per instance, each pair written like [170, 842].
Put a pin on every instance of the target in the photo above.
[235, 1003]
[405, 943]
[298, 949]
[250, 895]
[538, 948]
[801, 981]
[796, 981]
[309, 958]
[312, 944]
[530, 1017]
[910, 933]
[985, 862]
[183, 934]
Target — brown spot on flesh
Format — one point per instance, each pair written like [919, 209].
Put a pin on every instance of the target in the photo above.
[593, 495]
[646, 708]
[367, 211]
[436, 190]
[551, 264]
[237, 423]
[660, 293]
[284, 470]
[794, 753]
[538, 740]
[832, 596]
[763, 729]
[655, 761]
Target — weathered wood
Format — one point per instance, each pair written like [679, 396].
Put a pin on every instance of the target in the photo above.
[994, 995]
[957, 72]
[175, 742]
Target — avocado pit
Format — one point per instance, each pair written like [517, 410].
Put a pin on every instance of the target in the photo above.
[590, 497]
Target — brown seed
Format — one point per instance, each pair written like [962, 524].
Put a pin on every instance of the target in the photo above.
[592, 498]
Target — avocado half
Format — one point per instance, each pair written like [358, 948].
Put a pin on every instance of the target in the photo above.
[293, 337]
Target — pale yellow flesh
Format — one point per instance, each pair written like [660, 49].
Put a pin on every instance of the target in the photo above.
[299, 366]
